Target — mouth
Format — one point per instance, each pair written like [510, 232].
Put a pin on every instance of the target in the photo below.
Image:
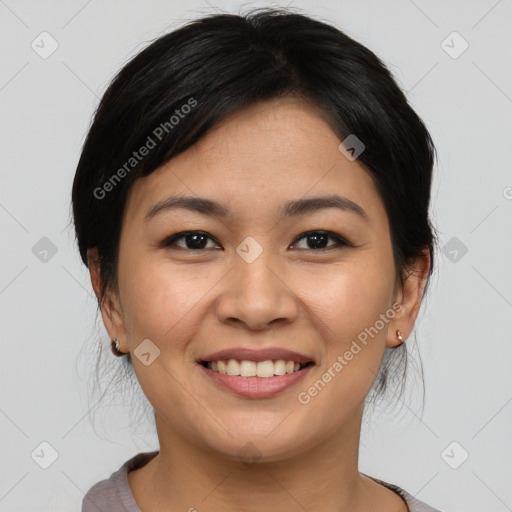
[263, 369]
[251, 373]
[254, 379]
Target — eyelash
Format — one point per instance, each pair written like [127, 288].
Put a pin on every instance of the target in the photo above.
[340, 241]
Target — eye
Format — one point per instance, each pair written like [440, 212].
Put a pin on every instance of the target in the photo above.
[318, 240]
[196, 240]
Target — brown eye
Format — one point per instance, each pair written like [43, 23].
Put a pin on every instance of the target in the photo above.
[317, 240]
[193, 240]
[198, 240]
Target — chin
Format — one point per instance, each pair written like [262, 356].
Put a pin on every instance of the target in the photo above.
[253, 446]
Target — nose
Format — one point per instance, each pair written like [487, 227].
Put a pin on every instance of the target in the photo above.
[255, 295]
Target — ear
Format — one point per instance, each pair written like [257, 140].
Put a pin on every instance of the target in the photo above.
[409, 298]
[111, 311]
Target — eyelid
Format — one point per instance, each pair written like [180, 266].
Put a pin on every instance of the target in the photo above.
[170, 240]
[340, 241]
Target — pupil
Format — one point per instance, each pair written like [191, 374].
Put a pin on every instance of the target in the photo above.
[195, 244]
[316, 243]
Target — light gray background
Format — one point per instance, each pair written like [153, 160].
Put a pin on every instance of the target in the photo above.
[48, 313]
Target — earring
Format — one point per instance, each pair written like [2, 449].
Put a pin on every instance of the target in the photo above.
[114, 345]
[399, 336]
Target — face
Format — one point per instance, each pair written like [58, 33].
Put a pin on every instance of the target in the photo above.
[310, 282]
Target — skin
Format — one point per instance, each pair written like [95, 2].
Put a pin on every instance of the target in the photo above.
[192, 302]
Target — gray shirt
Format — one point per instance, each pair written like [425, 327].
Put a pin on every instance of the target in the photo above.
[114, 494]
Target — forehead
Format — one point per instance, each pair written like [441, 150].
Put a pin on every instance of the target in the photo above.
[257, 159]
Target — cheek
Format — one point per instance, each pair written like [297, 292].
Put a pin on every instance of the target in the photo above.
[163, 301]
[351, 307]
[351, 296]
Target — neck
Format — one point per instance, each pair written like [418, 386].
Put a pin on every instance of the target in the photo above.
[187, 476]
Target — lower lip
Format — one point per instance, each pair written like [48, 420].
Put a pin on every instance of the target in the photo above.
[256, 387]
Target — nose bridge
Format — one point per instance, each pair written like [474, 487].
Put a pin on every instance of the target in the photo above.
[255, 275]
[255, 295]
[253, 258]
[254, 282]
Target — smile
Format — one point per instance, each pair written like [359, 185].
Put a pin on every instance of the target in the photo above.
[251, 379]
[262, 369]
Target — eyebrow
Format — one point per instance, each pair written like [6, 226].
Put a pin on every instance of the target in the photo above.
[291, 209]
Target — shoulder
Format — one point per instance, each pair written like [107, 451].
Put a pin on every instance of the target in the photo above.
[414, 504]
[113, 493]
[99, 497]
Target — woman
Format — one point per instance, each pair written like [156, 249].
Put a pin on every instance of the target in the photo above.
[252, 204]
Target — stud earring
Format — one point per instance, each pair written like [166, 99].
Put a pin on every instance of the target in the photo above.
[399, 336]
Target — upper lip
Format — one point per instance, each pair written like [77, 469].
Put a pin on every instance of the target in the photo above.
[258, 355]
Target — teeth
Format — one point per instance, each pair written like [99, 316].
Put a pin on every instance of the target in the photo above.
[280, 367]
[233, 367]
[263, 369]
[222, 366]
[248, 368]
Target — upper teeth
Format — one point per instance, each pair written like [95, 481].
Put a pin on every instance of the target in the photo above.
[246, 368]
